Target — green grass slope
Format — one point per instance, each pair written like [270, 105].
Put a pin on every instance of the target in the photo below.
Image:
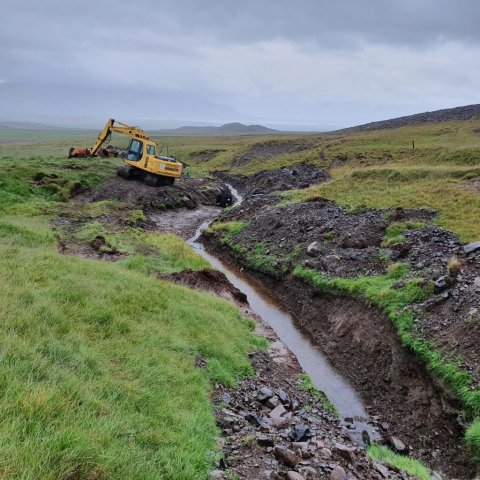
[97, 372]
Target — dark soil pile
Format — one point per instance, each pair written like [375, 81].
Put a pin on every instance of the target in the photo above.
[346, 244]
[300, 176]
[186, 193]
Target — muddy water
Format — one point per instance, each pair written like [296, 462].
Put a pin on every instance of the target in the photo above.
[312, 360]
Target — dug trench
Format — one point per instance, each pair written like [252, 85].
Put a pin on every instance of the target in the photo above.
[275, 425]
[360, 341]
[399, 391]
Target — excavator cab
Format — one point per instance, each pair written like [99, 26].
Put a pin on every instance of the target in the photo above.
[135, 150]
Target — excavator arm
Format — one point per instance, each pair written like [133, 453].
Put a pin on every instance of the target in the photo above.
[110, 127]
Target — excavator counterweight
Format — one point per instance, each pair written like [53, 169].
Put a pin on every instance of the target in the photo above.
[141, 158]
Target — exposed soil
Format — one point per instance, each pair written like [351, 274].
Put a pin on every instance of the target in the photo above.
[300, 176]
[271, 148]
[362, 344]
[186, 193]
[204, 155]
[211, 281]
[347, 244]
[360, 340]
[272, 429]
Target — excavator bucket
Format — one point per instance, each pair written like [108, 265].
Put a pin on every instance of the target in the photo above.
[76, 152]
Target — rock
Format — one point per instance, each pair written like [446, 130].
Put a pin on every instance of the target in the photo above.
[294, 476]
[284, 397]
[441, 283]
[308, 472]
[300, 433]
[279, 422]
[384, 471]
[277, 412]
[338, 473]
[397, 445]
[436, 476]
[385, 426]
[471, 247]
[286, 456]
[330, 262]
[325, 453]
[272, 402]
[299, 445]
[218, 474]
[265, 441]
[264, 394]
[366, 438]
[348, 453]
[314, 249]
[476, 284]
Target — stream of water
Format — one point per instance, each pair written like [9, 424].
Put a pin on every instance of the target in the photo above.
[310, 357]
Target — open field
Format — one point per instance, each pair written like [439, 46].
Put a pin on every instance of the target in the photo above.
[375, 169]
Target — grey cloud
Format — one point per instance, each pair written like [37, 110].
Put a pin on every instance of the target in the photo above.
[304, 61]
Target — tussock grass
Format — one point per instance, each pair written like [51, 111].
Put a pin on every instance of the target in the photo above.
[394, 232]
[170, 254]
[473, 437]
[97, 371]
[406, 464]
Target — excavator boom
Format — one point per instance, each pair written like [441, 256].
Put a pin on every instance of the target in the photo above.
[141, 158]
[109, 128]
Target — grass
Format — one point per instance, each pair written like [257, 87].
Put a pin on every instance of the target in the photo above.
[307, 385]
[405, 464]
[450, 193]
[97, 373]
[255, 257]
[394, 233]
[98, 377]
[379, 291]
[472, 437]
[170, 254]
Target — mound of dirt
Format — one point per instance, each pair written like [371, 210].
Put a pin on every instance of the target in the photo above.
[211, 281]
[186, 193]
[300, 176]
[344, 244]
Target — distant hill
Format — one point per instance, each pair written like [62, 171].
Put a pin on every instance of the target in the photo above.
[467, 112]
[227, 129]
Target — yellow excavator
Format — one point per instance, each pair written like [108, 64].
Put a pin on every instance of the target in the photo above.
[141, 159]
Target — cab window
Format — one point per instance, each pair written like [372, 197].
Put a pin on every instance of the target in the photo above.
[135, 150]
[151, 149]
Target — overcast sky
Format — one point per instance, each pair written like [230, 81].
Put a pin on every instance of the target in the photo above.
[298, 62]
